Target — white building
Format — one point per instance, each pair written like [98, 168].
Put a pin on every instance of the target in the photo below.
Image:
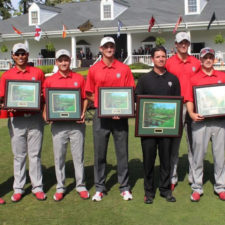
[104, 15]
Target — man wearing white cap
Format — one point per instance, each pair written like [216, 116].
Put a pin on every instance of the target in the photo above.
[109, 72]
[68, 131]
[184, 66]
[25, 128]
[206, 129]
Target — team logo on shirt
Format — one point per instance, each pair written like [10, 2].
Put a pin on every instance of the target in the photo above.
[33, 78]
[170, 83]
[75, 84]
[219, 82]
[193, 69]
[118, 75]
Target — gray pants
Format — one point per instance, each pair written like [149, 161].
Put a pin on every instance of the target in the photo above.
[102, 127]
[26, 138]
[62, 133]
[213, 129]
[174, 158]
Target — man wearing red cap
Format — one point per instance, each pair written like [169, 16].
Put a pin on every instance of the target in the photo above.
[109, 72]
[206, 129]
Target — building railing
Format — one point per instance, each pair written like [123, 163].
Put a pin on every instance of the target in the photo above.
[145, 59]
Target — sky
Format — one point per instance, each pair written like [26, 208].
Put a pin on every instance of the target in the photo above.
[15, 3]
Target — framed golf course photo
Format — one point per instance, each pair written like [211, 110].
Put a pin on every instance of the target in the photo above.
[159, 116]
[63, 104]
[116, 101]
[22, 95]
[210, 100]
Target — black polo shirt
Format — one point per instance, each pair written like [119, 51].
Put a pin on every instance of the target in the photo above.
[154, 84]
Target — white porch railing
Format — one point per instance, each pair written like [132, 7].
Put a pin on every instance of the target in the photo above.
[146, 59]
[42, 61]
[5, 64]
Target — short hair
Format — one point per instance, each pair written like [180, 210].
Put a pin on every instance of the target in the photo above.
[156, 49]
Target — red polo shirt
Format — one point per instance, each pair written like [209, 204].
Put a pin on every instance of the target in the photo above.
[201, 78]
[73, 80]
[100, 75]
[3, 114]
[30, 73]
[183, 70]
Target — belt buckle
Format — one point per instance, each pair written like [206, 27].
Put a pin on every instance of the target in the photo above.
[27, 115]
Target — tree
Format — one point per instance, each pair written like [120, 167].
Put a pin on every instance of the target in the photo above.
[24, 5]
[160, 41]
[219, 39]
[5, 8]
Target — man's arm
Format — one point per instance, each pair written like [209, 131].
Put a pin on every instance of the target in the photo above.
[90, 96]
[194, 116]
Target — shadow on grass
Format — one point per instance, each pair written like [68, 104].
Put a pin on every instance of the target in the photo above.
[135, 173]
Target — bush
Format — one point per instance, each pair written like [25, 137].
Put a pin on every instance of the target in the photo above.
[139, 66]
[46, 69]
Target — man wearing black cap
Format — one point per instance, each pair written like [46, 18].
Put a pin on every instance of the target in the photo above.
[25, 128]
[206, 129]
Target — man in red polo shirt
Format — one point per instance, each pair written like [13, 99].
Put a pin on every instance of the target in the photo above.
[25, 128]
[206, 129]
[68, 131]
[183, 66]
[109, 72]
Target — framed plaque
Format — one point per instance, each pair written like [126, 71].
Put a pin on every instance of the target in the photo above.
[210, 100]
[159, 116]
[63, 104]
[22, 95]
[116, 101]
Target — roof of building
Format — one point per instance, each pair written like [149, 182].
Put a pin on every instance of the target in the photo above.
[137, 14]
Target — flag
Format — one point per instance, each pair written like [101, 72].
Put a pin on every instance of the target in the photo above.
[177, 24]
[17, 31]
[119, 27]
[211, 20]
[64, 31]
[85, 26]
[151, 23]
[38, 32]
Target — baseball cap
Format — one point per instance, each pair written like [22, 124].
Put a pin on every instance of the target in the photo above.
[62, 52]
[182, 36]
[107, 40]
[206, 50]
[19, 46]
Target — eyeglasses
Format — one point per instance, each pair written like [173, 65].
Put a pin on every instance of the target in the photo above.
[20, 53]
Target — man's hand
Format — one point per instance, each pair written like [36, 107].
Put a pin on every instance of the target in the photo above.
[196, 117]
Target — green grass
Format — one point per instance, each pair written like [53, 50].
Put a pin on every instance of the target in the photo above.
[112, 209]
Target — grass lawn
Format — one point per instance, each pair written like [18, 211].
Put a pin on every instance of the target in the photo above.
[112, 209]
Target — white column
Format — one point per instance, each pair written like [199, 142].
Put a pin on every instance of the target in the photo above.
[189, 49]
[129, 48]
[26, 43]
[73, 52]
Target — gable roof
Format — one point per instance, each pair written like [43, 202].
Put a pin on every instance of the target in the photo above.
[136, 17]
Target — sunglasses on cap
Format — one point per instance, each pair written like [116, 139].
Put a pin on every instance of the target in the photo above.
[206, 51]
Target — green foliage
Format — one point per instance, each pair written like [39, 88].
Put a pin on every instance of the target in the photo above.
[219, 39]
[160, 41]
[46, 69]
[5, 7]
[4, 48]
[50, 46]
[139, 66]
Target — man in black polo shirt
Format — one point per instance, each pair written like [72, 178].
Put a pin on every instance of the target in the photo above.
[157, 82]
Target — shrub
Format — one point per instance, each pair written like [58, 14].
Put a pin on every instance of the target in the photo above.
[46, 69]
[139, 66]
